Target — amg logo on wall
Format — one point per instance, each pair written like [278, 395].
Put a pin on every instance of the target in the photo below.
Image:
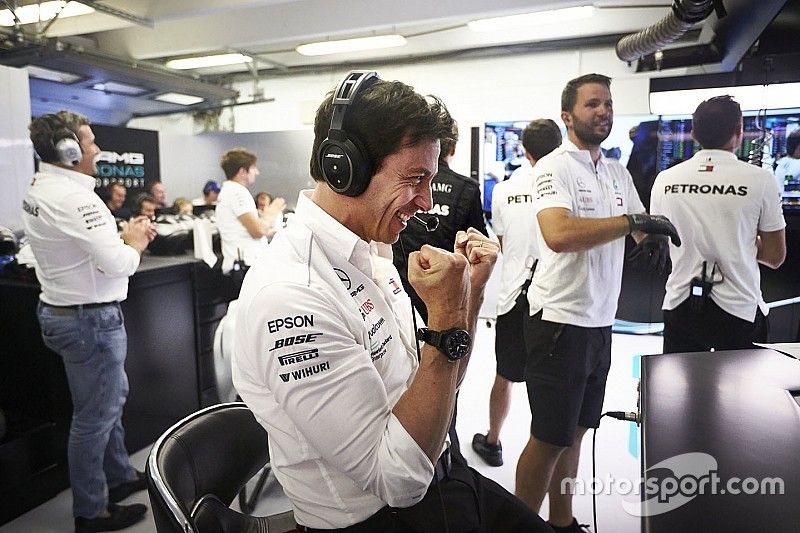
[128, 156]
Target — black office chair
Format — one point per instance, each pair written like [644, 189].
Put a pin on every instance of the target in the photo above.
[200, 464]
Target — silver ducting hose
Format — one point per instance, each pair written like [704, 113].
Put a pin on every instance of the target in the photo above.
[684, 15]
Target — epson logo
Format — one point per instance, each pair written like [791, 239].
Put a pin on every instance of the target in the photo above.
[129, 158]
[333, 156]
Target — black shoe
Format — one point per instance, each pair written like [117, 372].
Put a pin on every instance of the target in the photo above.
[121, 516]
[491, 453]
[123, 490]
[574, 527]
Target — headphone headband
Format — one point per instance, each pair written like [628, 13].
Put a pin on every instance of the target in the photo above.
[345, 164]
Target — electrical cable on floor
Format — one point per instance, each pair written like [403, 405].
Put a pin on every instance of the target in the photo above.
[618, 415]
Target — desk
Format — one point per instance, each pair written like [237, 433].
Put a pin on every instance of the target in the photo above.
[173, 307]
[737, 407]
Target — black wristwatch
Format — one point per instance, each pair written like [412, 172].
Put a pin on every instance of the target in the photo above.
[454, 343]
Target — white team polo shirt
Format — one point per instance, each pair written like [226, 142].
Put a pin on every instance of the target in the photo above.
[324, 349]
[73, 236]
[718, 204]
[514, 219]
[581, 288]
[235, 200]
[787, 168]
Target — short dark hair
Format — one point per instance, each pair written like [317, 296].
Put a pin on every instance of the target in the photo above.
[715, 121]
[237, 158]
[448, 144]
[541, 137]
[792, 142]
[140, 200]
[44, 127]
[383, 117]
[569, 96]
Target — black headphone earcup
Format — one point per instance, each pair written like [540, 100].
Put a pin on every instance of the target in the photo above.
[344, 166]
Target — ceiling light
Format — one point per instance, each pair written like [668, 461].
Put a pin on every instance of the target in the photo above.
[208, 61]
[750, 98]
[351, 45]
[526, 20]
[115, 87]
[44, 11]
[178, 98]
[49, 74]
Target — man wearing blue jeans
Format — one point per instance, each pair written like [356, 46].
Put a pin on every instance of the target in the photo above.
[83, 267]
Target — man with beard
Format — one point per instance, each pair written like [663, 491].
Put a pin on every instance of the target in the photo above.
[586, 204]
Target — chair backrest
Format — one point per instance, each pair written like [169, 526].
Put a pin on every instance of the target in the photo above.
[214, 451]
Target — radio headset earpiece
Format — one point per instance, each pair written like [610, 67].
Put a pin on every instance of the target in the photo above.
[64, 144]
[345, 164]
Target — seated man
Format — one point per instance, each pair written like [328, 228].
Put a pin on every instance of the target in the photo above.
[117, 193]
[325, 352]
[210, 194]
[146, 206]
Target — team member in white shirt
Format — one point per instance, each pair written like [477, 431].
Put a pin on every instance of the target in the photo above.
[83, 268]
[514, 221]
[243, 231]
[729, 213]
[325, 344]
[586, 204]
[787, 169]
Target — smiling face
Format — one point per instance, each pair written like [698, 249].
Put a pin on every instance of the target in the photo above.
[590, 120]
[401, 188]
[89, 149]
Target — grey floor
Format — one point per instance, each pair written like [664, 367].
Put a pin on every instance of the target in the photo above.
[617, 443]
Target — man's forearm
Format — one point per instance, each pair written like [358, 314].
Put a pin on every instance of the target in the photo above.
[575, 234]
[425, 408]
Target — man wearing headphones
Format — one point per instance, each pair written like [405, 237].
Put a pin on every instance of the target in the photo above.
[514, 221]
[83, 268]
[730, 213]
[326, 352]
[586, 205]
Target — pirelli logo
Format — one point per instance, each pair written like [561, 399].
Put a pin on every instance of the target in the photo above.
[298, 357]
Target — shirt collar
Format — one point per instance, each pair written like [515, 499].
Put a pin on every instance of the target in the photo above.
[580, 153]
[87, 182]
[718, 154]
[334, 237]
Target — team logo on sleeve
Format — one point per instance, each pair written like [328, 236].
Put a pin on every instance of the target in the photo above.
[305, 372]
[396, 288]
[305, 338]
[298, 357]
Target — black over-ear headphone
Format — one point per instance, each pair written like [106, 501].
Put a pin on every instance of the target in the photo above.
[345, 164]
[62, 144]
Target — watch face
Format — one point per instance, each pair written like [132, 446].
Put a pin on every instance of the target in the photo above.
[457, 344]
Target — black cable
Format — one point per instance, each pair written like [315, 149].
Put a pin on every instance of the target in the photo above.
[618, 415]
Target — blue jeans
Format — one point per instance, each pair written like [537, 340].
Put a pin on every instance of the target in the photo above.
[93, 344]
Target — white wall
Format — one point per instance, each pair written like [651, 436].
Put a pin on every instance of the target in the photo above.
[516, 87]
[16, 149]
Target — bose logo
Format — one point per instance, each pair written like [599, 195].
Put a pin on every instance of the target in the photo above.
[334, 156]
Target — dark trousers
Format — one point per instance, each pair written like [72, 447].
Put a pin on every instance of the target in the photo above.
[689, 331]
[466, 501]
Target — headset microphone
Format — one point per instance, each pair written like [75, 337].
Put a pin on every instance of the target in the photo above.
[430, 225]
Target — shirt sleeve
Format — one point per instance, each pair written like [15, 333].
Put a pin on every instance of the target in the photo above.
[241, 202]
[330, 390]
[655, 197]
[550, 186]
[771, 218]
[497, 212]
[87, 220]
